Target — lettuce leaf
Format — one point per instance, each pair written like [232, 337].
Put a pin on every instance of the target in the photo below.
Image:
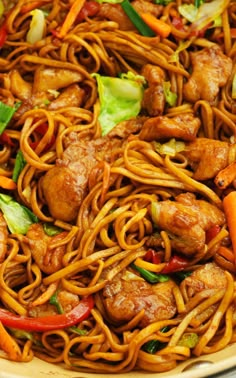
[18, 217]
[120, 99]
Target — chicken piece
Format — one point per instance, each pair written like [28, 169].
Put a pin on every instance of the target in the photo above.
[125, 128]
[184, 126]
[123, 300]
[19, 87]
[49, 260]
[186, 220]
[207, 157]
[153, 98]
[66, 299]
[208, 276]
[65, 185]
[114, 12]
[211, 70]
[3, 238]
[54, 79]
[71, 96]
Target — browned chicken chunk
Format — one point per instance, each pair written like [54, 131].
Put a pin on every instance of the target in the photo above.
[54, 79]
[207, 157]
[186, 220]
[153, 98]
[49, 260]
[208, 276]
[211, 70]
[65, 185]
[71, 96]
[124, 299]
[184, 126]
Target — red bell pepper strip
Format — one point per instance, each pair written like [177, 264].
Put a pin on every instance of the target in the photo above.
[152, 257]
[89, 9]
[3, 34]
[212, 232]
[51, 322]
[175, 264]
[5, 139]
[177, 22]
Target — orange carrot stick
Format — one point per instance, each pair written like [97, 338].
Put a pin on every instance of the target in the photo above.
[32, 5]
[9, 345]
[71, 17]
[226, 253]
[229, 205]
[158, 26]
[7, 183]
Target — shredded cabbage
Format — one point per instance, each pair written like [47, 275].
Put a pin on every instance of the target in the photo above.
[208, 12]
[120, 99]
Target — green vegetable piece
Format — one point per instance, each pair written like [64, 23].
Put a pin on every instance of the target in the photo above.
[55, 302]
[6, 113]
[136, 19]
[153, 346]
[182, 275]
[78, 331]
[120, 100]
[150, 276]
[189, 340]
[51, 230]
[170, 96]
[163, 2]
[18, 217]
[19, 165]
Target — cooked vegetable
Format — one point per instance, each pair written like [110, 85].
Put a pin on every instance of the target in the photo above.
[37, 26]
[188, 340]
[55, 302]
[212, 232]
[6, 113]
[7, 183]
[137, 20]
[158, 26]
[9, 345]
[171, 148]
[227, 253]
[152, 257]
[175, 264]
[18, 217]
[208, 12]
[19, 165]
[170, 96]
[120, 99]
[229, 205]
[89, 9]
[71, 17]
[163, 2]
[50, 322]
[150, 276]
[51, 230]
[153, 346]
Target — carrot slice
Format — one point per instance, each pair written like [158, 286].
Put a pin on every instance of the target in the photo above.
[32, 5]
[71, 17]
[7, 183]
[229, 205]
[9, 345]
[158, 26]
[226, 253]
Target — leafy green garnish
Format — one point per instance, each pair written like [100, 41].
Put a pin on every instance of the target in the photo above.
[150, 276]
[19, 165]
[120, 99]
[18, 217]
[163, 2]
[6, 113]
[51, 230]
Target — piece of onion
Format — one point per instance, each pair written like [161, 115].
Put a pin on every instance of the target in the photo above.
[37, 26]
[208, 12]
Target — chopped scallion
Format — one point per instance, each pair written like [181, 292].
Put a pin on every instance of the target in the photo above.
[136, 19]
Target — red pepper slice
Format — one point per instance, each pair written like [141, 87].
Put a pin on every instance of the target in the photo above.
[152, 257]
[5, 139]
[89, 9]
[212, 232]
[3, 34]
[175, 264]
[51, 322]
[177, 22]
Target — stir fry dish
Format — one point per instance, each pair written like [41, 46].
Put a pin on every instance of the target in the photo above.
[117, 182]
